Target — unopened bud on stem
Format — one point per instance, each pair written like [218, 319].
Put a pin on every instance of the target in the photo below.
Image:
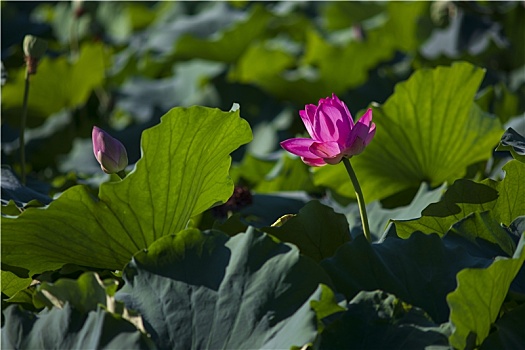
[109, 152]
[34, 49]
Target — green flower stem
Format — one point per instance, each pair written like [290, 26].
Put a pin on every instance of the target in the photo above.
[73, 38]
[360, 199]
[122, 174]
[23, 128]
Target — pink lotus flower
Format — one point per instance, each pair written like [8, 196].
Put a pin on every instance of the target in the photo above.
[334, 134]
[110, 152]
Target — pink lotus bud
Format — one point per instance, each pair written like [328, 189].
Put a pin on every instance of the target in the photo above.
[334, 134]
[110, 152]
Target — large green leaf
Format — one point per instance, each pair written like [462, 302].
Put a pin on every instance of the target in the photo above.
[476, 303]
[183, 171]
[199, 290]
[429, 130]
[58, 84]
[504, 199]
[420, 270]
[316, 230]
[378, 320]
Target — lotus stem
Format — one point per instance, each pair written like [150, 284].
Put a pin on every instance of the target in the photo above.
[121, 174]
[23, 127]
[360, 199]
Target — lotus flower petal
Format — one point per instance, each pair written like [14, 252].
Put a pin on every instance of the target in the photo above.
[334, 134]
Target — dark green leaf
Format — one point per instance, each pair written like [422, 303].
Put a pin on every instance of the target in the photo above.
[68, 328]
[84, 294]
[421, 270]
[513, 142]
[509, 331]
[271, 174]
[378, 320]
[205, 290]
[13, 190]
[316, 230]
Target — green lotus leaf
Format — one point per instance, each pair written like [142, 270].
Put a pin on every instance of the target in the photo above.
[429, 130]
[183, 172]
[68, 328]
[11, 283]
[316, 230]
[207, 290]
[475, 304]
[504, 199]
[420, 270]
[509, 331]
[379, 320]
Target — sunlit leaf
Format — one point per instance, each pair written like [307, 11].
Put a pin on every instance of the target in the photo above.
[504, 199]
[183, 171]
[11, 283]
[476, 303]
[429, 130]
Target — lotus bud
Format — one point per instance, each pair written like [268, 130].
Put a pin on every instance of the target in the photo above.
[109, 152]
[34, 49]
